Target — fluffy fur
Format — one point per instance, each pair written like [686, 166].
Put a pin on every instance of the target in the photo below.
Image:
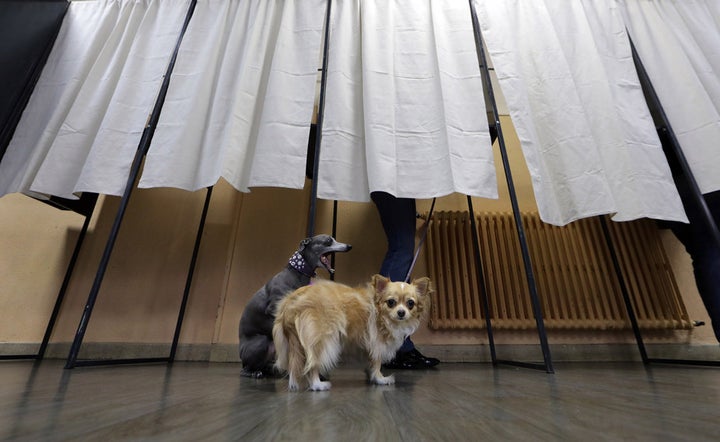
[257, 351]
[314, 323]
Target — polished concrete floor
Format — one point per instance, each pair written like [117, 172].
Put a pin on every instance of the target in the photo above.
[454, 402]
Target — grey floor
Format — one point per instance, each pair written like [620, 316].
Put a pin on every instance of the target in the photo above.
[455, 402]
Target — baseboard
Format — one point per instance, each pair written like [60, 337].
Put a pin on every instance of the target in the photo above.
[571, 353]
[112, 350]
[446, 353]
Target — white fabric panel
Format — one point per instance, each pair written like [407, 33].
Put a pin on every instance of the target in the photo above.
[567, 75]
[405, 111]
[241, 96]
[84, 121]
[679, 45]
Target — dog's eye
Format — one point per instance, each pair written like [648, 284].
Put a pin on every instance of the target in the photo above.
[391, 303]
[410, 304]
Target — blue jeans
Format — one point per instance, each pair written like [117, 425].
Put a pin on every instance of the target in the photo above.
[702, 249]
[397, 216]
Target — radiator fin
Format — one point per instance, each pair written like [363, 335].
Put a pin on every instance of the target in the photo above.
[574, 274]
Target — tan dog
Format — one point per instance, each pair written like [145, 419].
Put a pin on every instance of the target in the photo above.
[314, 322]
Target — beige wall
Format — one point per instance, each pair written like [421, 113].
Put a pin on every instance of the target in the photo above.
[248, 238]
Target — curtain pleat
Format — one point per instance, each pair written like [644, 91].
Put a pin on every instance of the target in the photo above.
[405, 112]
[240, 101]
[84, 120]
[679, 45]
[567, 75]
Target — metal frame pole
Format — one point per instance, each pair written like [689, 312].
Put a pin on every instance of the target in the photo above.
[312, 212]
[481, 281]
[191, 272]
[140, 153]
[529, 274]
[183, 304]
[654, 102]
[623, 289]
[63, 288]
[334, 235]
[698, 199]
[61, 293]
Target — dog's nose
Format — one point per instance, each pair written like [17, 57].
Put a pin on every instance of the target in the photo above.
[401, 313]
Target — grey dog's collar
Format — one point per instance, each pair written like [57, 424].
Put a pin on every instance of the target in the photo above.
[298, 263]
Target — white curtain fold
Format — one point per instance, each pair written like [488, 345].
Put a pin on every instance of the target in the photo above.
[678, 42]
[566, 72]
[84, 120]
[404, 108]
[240, 101]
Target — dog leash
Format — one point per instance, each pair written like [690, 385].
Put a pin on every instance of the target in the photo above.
[426, 226]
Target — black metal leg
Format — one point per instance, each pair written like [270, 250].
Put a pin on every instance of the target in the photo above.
[92, 297]
[481, 281]
[63, 288]
[653, 102]
[183, 305]
[60, 297]
[143, 147]
[191, 272]
[623, 289]
[529, 274]
[321, 113]
[334, 235]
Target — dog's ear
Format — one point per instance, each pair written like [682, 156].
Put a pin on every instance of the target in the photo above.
[379, 283]
[303, 243]
[423, 286]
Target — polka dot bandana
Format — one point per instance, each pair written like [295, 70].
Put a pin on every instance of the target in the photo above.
[298, 263]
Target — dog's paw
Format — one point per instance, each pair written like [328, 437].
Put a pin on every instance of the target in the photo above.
[293, 386]
[320, 386]
[384, 380]
[251, 374]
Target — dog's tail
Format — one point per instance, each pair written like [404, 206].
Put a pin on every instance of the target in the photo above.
[290, 353]
[281, 346]
[323, 345]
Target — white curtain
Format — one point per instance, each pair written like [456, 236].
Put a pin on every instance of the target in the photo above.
[404, 113]
[84, 120]
[566, 71]
[678, 42]
[404, 108]
[241, 97]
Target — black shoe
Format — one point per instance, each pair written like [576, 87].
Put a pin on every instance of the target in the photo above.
[411, 360]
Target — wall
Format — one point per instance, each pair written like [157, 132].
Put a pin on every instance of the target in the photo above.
[248, 238]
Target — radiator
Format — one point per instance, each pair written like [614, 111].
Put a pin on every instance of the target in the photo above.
[575, 278]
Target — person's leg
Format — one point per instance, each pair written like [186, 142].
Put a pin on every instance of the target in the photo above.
[398, 218]
[706, 266]
[706, 260]
[703, 251]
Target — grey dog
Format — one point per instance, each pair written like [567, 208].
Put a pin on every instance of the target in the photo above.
[257, 351]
